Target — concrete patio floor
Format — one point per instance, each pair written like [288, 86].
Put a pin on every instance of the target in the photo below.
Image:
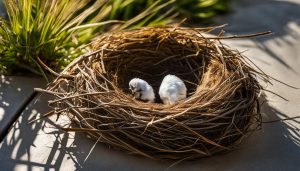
[41, 146]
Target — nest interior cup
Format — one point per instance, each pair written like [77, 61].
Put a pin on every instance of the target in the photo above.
[220, 109]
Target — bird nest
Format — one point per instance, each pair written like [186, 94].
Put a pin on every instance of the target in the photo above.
[222, 93]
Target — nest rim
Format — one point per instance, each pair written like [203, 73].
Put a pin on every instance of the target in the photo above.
[234, 72]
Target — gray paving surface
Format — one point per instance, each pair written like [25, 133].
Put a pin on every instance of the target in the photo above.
[14, 94]
[41, 146]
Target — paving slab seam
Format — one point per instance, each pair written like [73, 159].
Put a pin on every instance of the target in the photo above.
[18, 114]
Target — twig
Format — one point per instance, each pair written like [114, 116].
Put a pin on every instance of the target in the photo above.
[51, 71]
[242, 36]
[282, 120]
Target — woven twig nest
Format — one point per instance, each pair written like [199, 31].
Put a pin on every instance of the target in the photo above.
[221, 107]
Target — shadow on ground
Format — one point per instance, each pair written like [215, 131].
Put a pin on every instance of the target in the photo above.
[280, 17]
[15, 93]
[16, 148]
[41, 145]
